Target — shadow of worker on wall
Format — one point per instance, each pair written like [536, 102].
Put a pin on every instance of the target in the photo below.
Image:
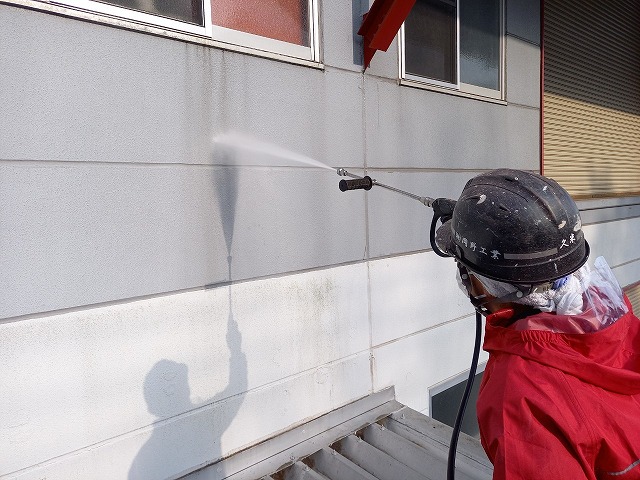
[188, 434]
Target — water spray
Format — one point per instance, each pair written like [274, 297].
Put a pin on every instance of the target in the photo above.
[443, 211]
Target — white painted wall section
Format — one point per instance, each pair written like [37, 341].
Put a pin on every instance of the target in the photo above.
[423, 327]
[418, 362]
[181, 379]
[413, 293]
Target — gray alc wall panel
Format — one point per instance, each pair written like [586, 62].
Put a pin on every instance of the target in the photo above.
[399, 224]
[414, 128]
[83, 92]
[83, 234]
[110, 191]
[523, 79]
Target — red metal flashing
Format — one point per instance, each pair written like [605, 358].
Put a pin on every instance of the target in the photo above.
[381, 24]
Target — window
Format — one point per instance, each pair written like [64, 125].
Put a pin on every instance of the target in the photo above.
[277, 25]
[455, 44]
[189, 11]
[286, 27]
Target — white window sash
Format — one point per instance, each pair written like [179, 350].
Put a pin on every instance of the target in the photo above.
[143, 17]
[257, 42]
[214, 32]
[314, 34]
[481, 91]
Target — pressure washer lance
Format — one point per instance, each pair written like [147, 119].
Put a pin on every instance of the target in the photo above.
[443, 211]
[442, 207]
[367, 183]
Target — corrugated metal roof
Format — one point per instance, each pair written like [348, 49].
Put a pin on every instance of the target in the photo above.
[375, 438]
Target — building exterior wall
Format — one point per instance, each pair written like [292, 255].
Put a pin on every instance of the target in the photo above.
[161, 309]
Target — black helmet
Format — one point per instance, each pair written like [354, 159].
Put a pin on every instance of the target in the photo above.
[516, 227]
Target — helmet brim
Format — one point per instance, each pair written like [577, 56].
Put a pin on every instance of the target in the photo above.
[446, 243]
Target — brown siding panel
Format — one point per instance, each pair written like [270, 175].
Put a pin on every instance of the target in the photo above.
[633, 292]
[592, 96]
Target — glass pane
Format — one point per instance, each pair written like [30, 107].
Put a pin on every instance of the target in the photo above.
[480, 43]
[430, 40]
[286, 20]
[184, 10]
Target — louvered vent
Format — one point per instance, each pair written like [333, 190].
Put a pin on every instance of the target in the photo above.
[395, 448]
[373, 438]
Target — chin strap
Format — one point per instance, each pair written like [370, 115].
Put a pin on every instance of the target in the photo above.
[482, 302]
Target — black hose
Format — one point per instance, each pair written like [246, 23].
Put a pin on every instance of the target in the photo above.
[432, 238]
[453, 445]
[443, 211]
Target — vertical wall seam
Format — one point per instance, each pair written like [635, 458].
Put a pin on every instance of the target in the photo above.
[366, 240]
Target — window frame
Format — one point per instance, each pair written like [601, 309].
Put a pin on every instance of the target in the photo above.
[257, 42]
[458, 87]
[137, 16]
[218, 34]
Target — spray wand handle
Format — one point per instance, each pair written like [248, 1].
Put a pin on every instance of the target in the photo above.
[365, 183]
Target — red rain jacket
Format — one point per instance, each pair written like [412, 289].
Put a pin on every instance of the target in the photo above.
[558, 405]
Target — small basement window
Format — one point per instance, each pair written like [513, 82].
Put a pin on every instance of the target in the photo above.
[444, 401]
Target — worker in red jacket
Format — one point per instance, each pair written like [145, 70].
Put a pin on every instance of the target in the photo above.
[560, 396]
